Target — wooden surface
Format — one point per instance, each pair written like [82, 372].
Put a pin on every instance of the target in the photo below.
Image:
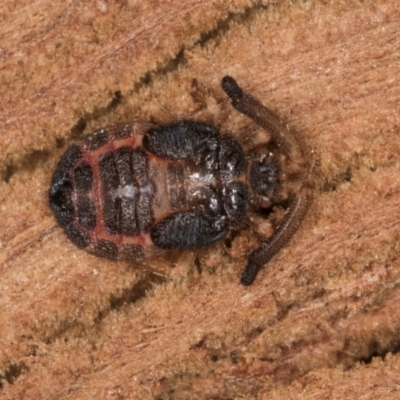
[73, 326]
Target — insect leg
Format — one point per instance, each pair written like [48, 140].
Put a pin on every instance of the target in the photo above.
[189, 230]
[181, 140]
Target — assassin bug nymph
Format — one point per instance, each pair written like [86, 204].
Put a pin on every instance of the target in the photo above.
[127, 191]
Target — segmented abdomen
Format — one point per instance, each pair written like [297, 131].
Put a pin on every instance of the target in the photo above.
[111, 193]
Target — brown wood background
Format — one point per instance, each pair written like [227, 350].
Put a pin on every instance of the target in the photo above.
[322, 319]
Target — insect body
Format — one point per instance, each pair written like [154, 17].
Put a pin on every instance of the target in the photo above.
[129, 191]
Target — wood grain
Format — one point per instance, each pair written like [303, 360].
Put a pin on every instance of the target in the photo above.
[76, 326]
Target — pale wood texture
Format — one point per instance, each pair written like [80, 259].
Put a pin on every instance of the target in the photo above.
[77, 327]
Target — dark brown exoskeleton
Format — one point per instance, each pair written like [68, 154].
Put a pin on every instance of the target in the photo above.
[126, 191]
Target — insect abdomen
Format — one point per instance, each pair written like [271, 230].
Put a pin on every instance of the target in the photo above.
[106, 192]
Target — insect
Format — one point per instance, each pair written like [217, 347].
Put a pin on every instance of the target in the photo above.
[129, 191]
